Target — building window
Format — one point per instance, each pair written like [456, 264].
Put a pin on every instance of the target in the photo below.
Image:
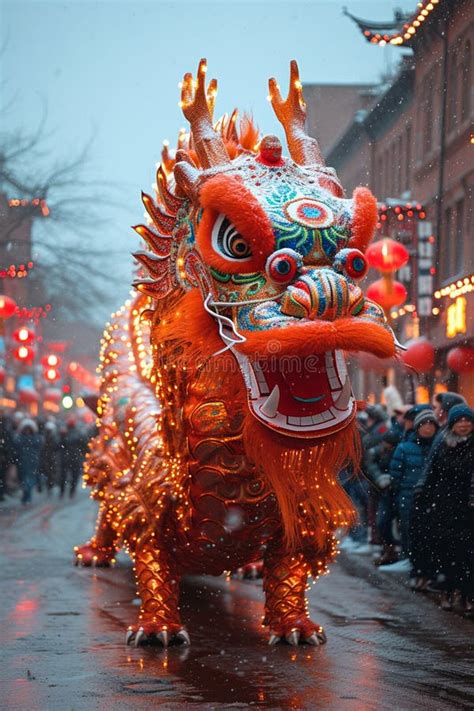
[459, 238]
[466, 82]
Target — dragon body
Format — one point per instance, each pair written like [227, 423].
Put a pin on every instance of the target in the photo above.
[226, 410]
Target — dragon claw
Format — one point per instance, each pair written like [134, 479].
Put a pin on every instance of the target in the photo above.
[293, 638]
[92, 555]
[139, 636]
[153, 634]
[300, 632]
[183, 637]
[163, 636]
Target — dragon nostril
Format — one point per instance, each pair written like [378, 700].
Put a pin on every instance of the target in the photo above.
[283, 265]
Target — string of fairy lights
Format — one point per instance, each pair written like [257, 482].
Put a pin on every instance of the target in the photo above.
[408, 30]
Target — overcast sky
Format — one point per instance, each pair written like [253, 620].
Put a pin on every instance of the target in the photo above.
[108, 71]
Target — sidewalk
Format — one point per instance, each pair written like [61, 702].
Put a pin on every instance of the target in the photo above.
[362, 566]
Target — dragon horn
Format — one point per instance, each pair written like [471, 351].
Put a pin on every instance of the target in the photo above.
[291, 113]
[197, 106]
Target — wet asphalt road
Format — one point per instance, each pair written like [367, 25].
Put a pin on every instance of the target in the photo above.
[62, 636]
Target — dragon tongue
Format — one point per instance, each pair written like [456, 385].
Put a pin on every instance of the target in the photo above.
[270, 406]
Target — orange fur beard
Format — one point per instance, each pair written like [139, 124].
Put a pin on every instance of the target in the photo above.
[304, 478]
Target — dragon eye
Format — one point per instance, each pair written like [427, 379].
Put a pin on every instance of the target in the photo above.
[229, 242]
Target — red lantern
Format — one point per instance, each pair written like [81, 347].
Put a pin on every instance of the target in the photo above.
[28, 396]
[420, 355]
[24, 335]
[2, 374]
[24, 354]
[53, 395]
[387, 293]
[7, 306]
[461, 359]
[387, 255]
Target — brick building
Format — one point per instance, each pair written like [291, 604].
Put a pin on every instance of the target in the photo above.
[413, 145]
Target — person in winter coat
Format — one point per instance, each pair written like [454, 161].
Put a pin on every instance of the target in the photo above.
[6, 453]
[447, 500]
[377, 426]
[27, 447]
[73, 447]
[405, 469]
[49, 455]
[376, 466]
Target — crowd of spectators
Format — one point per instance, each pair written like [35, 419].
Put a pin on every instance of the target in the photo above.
[415, 498]
[40, 454]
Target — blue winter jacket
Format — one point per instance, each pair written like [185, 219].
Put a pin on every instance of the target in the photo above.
[408, 462]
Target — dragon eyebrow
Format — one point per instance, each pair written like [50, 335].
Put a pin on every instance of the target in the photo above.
[228, 194]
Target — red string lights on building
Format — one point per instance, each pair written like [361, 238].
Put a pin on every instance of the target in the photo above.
[35, 202]
[402, 33]
[16, 271]
[400, 212]
[35, 313]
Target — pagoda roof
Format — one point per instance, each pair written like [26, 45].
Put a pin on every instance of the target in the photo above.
[401, 29]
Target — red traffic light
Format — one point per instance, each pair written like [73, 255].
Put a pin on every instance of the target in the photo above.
[51, 374]
[24, 335]
[24, 353]
[51, 360]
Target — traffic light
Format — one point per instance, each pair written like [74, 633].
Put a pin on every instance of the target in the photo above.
[51, 374]
[24, 335]
[67, 402]
[51, 363]
[24, 354]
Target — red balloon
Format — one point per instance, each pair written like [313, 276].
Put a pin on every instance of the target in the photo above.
[461, 359]
[7, 306]
[419, 355]
[387, 255]
[2, 374]
[28, 396]
[386, 296]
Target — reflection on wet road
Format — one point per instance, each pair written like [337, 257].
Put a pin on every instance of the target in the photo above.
[62, 636]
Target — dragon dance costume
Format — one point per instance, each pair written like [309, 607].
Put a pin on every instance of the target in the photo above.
[226, 410]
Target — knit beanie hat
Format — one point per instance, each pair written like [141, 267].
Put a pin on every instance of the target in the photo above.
[457, 412]
[376, 413]
[415, 410]
[425, 416]
[449, 400]
[392, 437]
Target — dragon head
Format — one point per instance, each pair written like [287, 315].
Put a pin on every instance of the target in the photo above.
[275, 252]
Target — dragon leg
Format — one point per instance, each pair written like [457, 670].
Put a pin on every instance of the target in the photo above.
[158, 588]
[284, 582]
[101, 549]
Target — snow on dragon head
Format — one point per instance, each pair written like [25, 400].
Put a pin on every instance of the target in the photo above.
[276, 253]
